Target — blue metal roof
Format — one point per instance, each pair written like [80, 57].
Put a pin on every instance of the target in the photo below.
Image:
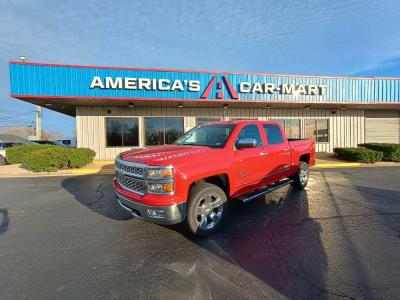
[69, 81]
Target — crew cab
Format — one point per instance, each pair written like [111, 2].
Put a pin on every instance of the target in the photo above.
[192, 180]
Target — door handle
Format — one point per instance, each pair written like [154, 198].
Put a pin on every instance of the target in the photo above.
[263, 153]
[286, 149]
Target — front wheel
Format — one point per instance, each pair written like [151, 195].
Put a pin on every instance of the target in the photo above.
[207, 208]
[301, 177]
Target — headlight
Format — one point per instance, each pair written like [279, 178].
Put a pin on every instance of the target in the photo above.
[160, 188]
[160, 173]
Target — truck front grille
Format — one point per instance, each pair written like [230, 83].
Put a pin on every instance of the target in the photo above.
[130, 168]
[130, 183]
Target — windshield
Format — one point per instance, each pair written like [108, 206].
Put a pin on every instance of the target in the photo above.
[210, 135]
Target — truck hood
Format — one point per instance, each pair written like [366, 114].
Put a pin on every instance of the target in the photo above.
[165, 155]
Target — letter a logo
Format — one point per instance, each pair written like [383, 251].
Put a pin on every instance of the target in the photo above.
[220, 91]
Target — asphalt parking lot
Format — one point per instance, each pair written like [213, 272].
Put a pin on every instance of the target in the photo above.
[65, 237]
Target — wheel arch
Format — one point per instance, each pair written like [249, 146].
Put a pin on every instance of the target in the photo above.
[220, 180]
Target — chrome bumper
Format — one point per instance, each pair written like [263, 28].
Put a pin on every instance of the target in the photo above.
[166, 215]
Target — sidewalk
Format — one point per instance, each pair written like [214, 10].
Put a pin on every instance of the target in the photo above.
[107, 167]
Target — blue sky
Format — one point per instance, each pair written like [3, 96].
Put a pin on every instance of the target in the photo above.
[299, 37]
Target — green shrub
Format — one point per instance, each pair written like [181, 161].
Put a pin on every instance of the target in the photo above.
[49, 158]
[17, 154]
[391, 152]
[358, 154]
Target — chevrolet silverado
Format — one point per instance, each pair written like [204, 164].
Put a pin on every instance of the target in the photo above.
[192, 180]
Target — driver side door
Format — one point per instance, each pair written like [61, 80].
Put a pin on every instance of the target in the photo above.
[246, 171]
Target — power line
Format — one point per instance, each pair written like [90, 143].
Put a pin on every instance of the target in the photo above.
[19, 119]
[16, 125]
[10, 117]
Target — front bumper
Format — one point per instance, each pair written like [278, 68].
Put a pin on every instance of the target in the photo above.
[166, 215]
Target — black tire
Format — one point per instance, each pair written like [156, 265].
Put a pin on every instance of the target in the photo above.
[202, 198]
[301, 177]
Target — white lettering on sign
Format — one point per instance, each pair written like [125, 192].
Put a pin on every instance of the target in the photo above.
[284, 89]
[177, 85]
[194, 86]
[114, 84]
[129, 83]
[97, 83]
[163, 84]
[244, 87]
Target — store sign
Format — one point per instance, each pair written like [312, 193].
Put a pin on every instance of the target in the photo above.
[97, 82]
[150, 84]
[284, 89]
[244, 87]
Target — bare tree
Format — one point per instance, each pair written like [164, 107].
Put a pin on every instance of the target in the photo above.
[25, 132]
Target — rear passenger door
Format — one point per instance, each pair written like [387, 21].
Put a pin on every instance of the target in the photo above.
[277, 154]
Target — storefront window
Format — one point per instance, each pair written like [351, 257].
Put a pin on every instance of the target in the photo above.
[122, 132]
[203, 120]
[160, 131]
[291, 127]
[242, 119]
[317, 129]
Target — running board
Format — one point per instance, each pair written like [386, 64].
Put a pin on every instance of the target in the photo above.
[266, 190]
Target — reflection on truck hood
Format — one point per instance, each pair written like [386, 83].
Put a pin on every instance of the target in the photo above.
[164, 155]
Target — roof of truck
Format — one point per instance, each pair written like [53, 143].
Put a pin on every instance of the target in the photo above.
[240, 122]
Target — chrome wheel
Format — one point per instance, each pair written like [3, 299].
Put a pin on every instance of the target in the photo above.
[303, 176]
[209, 211]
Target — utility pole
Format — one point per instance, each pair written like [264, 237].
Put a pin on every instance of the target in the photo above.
[38, 122]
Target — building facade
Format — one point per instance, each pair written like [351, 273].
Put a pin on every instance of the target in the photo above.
[118, 109]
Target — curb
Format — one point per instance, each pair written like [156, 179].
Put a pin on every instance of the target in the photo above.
[92, 171]
[338, 165]
[103, 162]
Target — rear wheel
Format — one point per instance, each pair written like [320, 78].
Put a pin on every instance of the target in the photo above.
[207, 208]
[301, 177]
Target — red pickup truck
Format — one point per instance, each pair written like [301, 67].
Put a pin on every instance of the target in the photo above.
[192, 180]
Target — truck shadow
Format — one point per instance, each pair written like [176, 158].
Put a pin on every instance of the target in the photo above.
[96, 193]
[4, 220]
[276, 241]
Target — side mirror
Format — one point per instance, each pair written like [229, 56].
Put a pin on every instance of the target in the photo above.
[246, 143]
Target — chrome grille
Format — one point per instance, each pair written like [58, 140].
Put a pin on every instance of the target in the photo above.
[135, 185]
[129, 168]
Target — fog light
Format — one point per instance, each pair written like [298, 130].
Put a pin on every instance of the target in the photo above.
[156, 213]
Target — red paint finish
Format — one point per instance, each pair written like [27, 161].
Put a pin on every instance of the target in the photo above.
[245, 170]
[231, 90]
[207, 91]
[281, 101]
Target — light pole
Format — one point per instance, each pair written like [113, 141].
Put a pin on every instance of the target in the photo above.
[38, 122]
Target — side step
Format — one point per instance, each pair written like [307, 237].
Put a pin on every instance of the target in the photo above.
[265, 190]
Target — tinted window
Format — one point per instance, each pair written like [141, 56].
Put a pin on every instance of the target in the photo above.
[317, 129]
[273, 133]
[160, 131]
[202, 120]
[212, 135]
[241, 119]
[250, 131]
[122, 132]
[290, 126]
